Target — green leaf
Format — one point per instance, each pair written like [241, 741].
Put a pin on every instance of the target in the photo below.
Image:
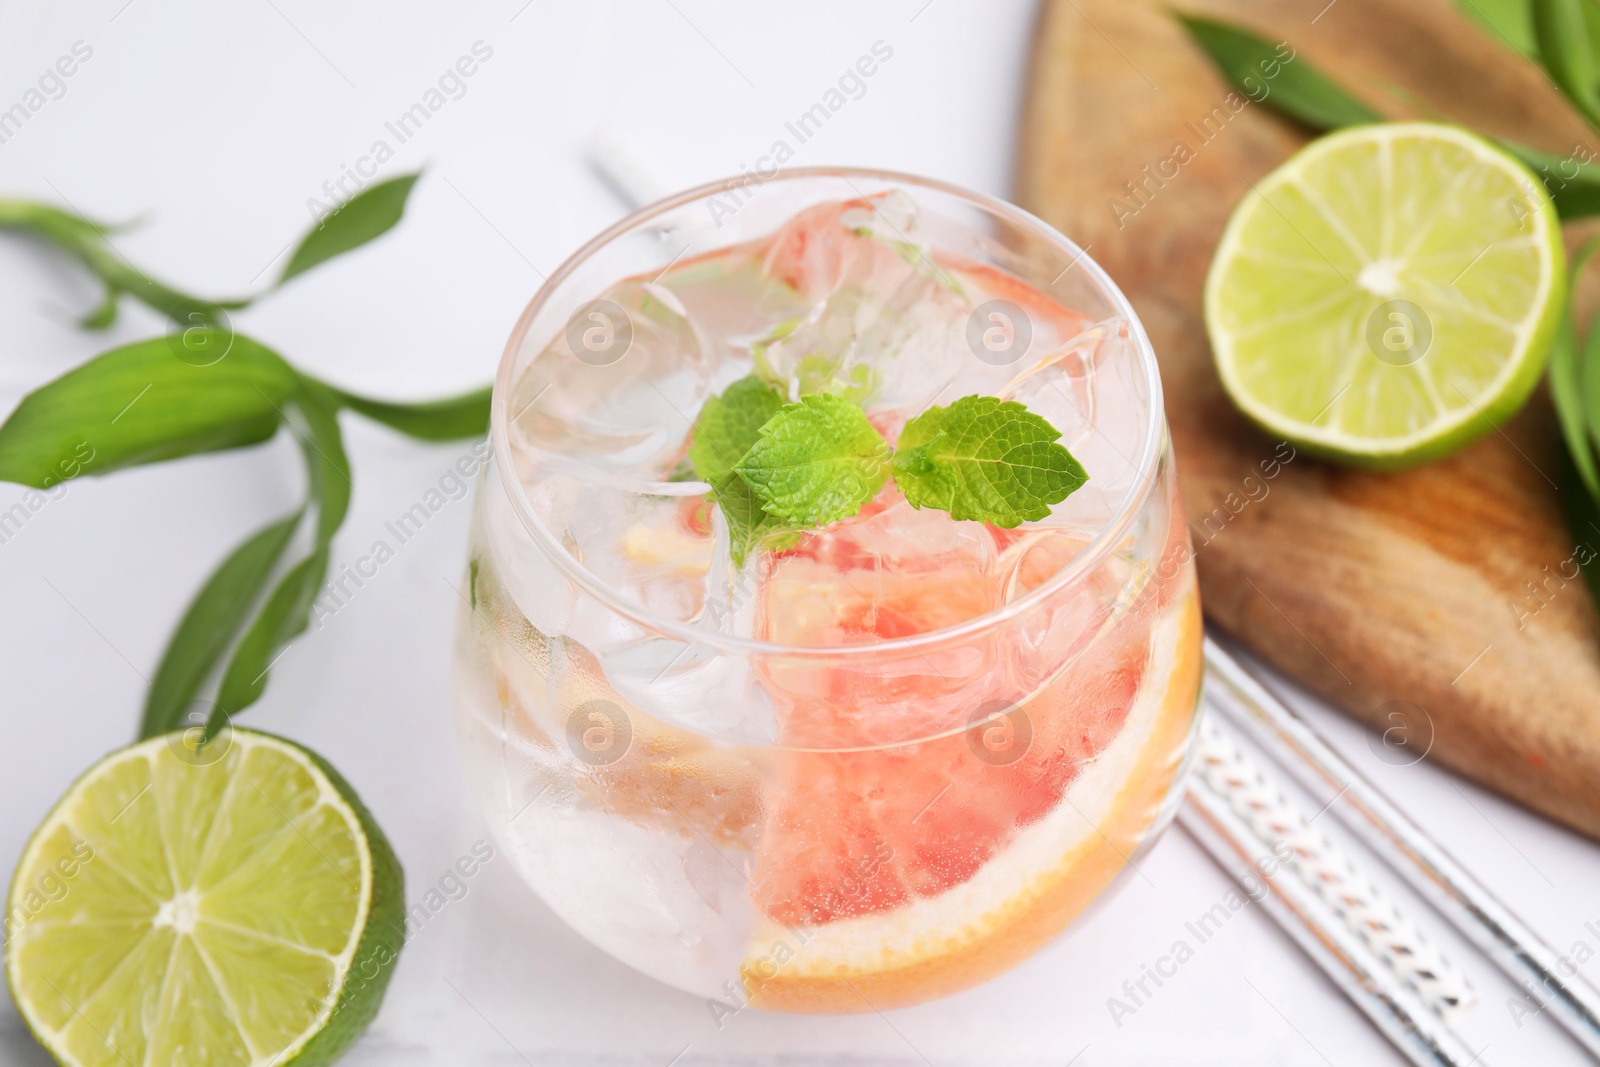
[1297, 89]
[1583, 521]
[142, 404]
[103, 314]
[449, 419]
[365, 217]
[1575, 391]
[283, 617]
[816, 461]
[1573, 382]
[212, 621]
[729, 424]
[287, 612]
[1510, 21]
[916, 435]
[1303, 93]
[985, 459]
[1566, 392]
[1591, 23]
[86, 241]
[1573, 184]
[1588, 379]
[1568, 52]
[65, 229]
[327, 465]
[749, 524]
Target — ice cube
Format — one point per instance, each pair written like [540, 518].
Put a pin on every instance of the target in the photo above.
[892, 571]
[712, 691]
[1060, 386]
[617, 390]
[1082, 389]
[655, 552]
[884, 318]
[733, 302]
[650, 548]
[545, 596]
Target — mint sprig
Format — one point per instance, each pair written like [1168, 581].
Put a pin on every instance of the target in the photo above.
[985, 459]
[819, 460]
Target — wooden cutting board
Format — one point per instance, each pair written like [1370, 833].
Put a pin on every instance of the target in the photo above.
[1443, 586]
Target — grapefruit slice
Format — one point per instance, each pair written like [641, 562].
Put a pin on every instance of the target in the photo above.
[915, 840]
[861, 832]
[856, 919]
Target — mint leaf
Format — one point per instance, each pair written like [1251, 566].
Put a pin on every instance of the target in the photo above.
[727, 427]
[749, 524]
[986, 459]
[729, 424]
[817, 461]
[919, 432]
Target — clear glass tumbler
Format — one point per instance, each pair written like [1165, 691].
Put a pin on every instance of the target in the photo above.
[887, 762]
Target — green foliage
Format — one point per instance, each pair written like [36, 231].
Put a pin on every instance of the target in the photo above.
[987, 460]
[1297, 89]
[205, 388]
[729, 424]
[1305, 94]
[364, 217]
[816, 461]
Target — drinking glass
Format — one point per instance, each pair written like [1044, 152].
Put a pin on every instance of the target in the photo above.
[888, 762]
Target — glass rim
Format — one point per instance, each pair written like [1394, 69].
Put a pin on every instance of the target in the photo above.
[573, 570]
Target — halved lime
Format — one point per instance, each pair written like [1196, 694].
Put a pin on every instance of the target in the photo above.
[1388, 294]
[228, 904]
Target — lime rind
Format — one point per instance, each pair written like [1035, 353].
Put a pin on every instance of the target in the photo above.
[137, 956]
[382, 937]
[1420, 212]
